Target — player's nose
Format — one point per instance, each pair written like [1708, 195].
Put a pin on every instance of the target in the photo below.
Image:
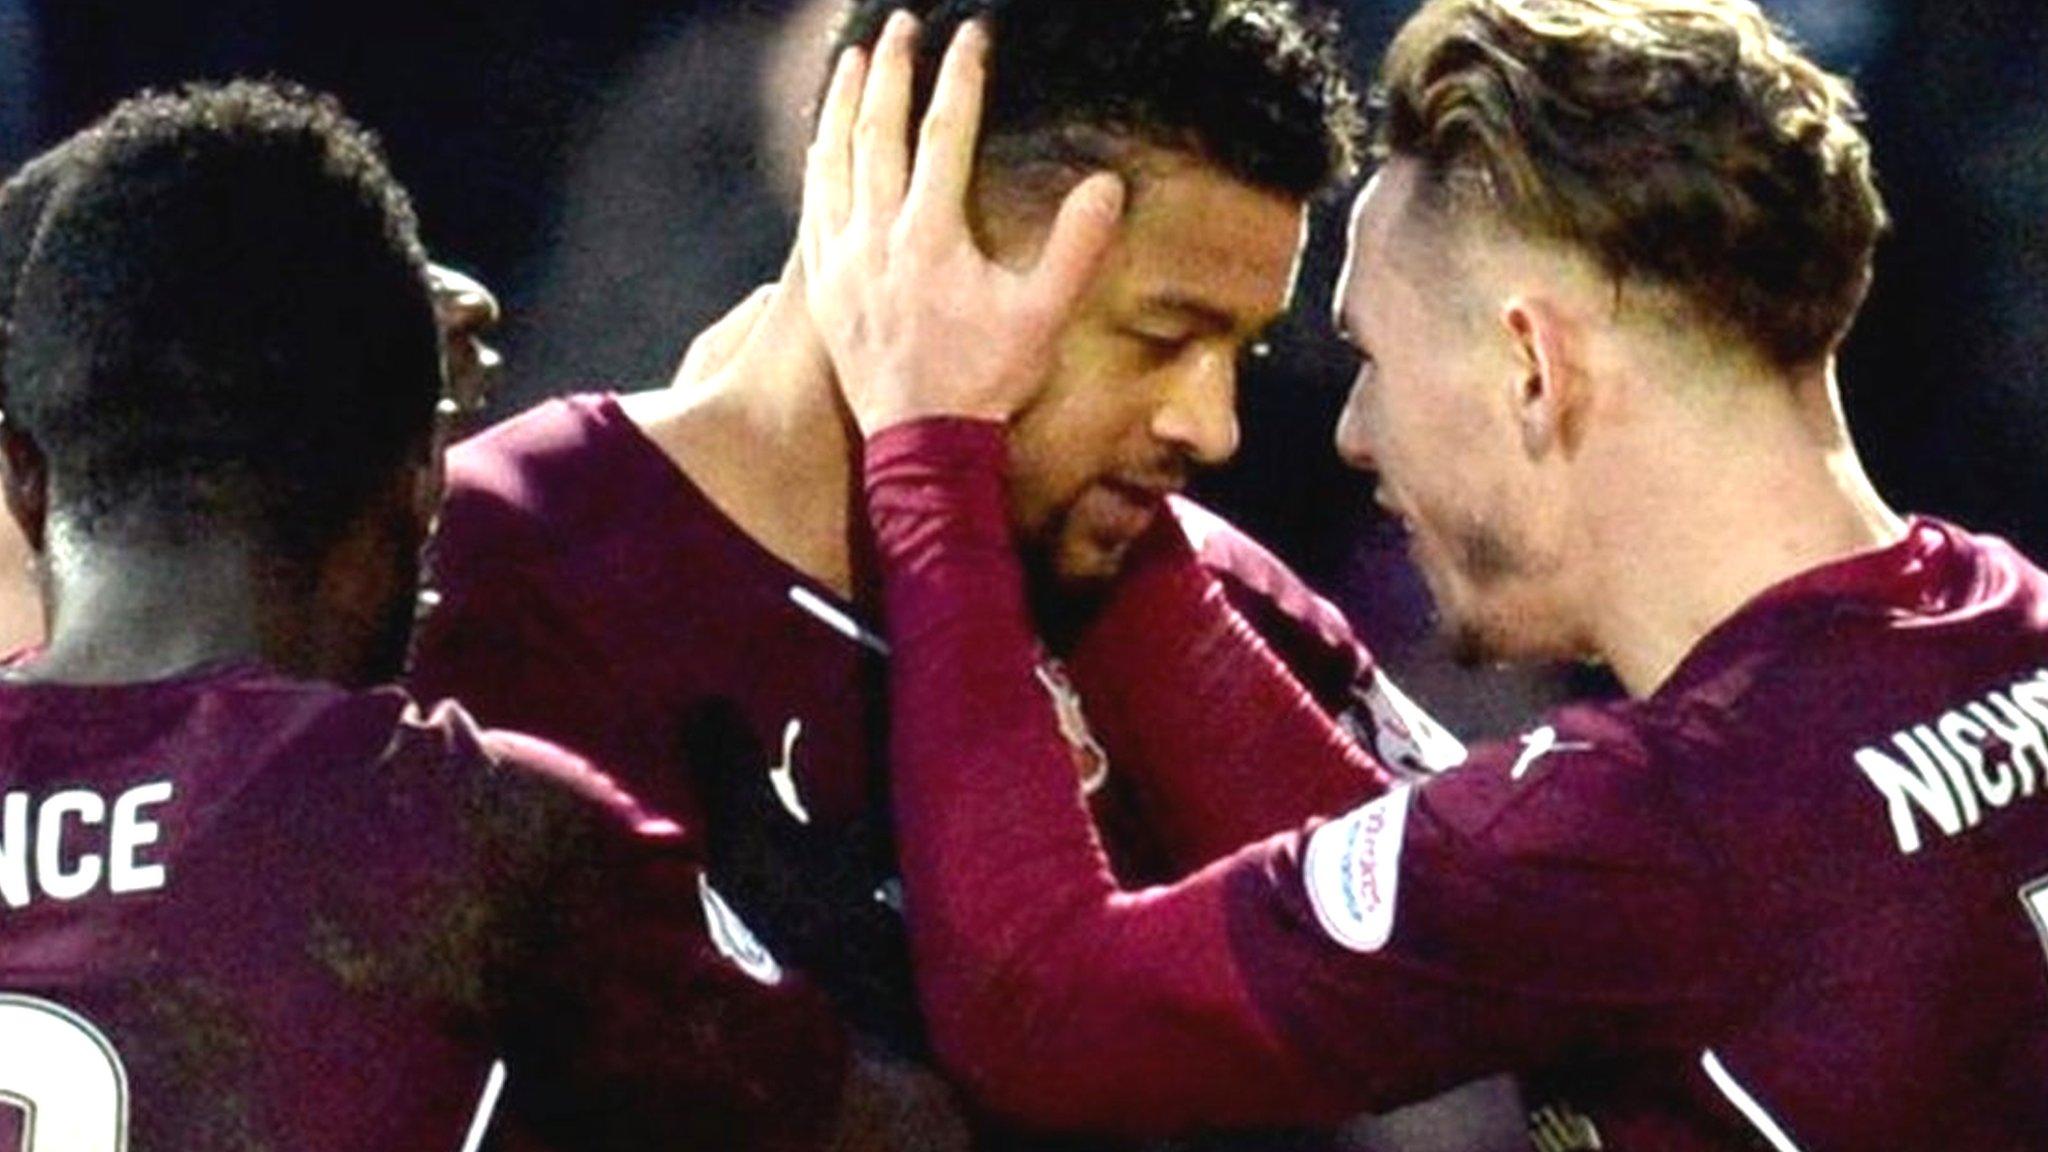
[465, 310]
[1354, 443]
[462, 304]
[1198, 413]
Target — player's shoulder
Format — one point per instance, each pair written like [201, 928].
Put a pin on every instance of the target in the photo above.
[1258, 582]
[1938, 608]
[1594, 772]
[1982, 569]
[1549, 831]
[534, 759]
[1233, 556]
[509, 484]
[1315, 640]
[521, 765]
[1302, 624]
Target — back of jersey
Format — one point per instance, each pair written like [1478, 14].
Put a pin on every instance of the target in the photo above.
[238, 913]
[1875, 778]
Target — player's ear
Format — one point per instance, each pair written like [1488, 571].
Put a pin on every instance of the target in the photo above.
[25, 476]
[1544, 390]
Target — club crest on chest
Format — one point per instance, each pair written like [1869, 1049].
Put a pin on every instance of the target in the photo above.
[1091, 763]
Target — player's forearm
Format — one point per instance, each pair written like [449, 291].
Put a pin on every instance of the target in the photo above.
[1220, 740]
[1052, 996]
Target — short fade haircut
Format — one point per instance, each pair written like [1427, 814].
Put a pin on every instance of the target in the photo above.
[22, 200]
[221, 319]
[1683, 144]
[1256, 87]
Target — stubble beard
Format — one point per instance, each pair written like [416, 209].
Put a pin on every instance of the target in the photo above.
[1063, 596]
[1486, 561]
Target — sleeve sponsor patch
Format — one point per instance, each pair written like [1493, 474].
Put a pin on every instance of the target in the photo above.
[1352, 869]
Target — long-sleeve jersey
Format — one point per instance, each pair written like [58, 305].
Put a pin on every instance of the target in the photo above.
[592, 594]
[1796, 899]
[240, 912]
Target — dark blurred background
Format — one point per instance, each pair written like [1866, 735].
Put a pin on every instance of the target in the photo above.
[622, 170]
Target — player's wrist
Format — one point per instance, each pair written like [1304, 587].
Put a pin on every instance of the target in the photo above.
[884, 417]
[943, 441]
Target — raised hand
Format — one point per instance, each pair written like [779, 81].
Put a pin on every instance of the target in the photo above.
[918, 321]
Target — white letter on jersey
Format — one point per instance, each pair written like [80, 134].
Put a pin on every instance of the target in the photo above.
[1965, 737]
[2007, 723]
[1352, 867]
[57, 883]
[131, 832]
[14, 849]
[1905, 787]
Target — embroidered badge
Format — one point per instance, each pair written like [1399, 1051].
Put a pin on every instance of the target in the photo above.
[1091, 763]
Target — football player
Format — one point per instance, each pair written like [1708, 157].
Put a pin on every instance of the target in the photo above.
[678, 583]
[248, 897]
[1791, 893]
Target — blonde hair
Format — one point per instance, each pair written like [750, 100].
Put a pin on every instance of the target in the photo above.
[1682, 143]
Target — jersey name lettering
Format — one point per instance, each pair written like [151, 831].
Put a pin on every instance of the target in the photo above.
[73, 843]
[1951, 770]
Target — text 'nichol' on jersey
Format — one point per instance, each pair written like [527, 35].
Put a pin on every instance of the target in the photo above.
[1972, 759]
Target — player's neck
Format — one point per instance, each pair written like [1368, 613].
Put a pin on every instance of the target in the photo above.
[766, 438]
[124, 612]
[1713, 511]
[129, 612]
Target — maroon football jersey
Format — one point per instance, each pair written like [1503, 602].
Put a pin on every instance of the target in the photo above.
[244, 912]
[1796, 899]
[592, 594]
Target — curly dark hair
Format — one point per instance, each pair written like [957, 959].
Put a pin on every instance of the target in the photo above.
[1685, 144]
[1256, 87]
[22, 200]
[219, 316]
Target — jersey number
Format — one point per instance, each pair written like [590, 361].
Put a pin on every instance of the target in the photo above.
[63, 1076]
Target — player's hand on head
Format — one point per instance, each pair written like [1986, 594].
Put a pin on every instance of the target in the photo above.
[918, 321]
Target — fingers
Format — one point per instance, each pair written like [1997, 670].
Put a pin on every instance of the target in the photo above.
[828, 168]
[1081, 236]
[881, 130]
[952, 125]
[860, 163]
[915, 318]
